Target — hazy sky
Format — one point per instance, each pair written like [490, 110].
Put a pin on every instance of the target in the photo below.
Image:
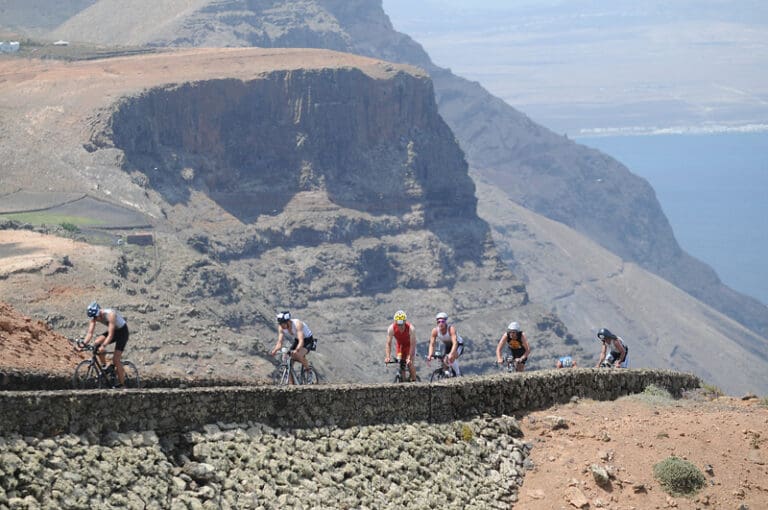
[576, 65]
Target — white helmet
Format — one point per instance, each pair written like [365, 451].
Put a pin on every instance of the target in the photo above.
[513, 326]
[442, 316]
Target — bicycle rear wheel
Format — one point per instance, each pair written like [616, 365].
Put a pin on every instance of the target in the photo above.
[437, 375]
[86, 376]
[132, 379]
[308, 376]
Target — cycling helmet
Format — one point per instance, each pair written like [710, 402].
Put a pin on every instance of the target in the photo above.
[400, 317]
[604, 334]
[441, 317]
[93, 310]
[513, 326]
[283, 317]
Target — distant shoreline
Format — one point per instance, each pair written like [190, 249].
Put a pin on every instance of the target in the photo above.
[712, 188]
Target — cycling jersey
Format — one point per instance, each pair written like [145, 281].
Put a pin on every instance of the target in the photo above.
[119, 320]
[291, 332]
[448, 342]
[516, 342]
[402, 339]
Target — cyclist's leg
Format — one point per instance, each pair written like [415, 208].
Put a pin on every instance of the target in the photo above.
[300, 355]
[412, 370]
[121, 339]
[455, 364]
[97, 345]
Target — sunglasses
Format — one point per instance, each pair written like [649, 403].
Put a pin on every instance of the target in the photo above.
[441, 320]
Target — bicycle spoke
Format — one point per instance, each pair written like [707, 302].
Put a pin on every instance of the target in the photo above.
[86, 376]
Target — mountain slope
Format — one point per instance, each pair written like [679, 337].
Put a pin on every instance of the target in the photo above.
[593, 288]
[321, 182]
[545, 172]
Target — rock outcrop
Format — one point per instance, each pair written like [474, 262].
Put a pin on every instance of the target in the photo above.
[307, 180]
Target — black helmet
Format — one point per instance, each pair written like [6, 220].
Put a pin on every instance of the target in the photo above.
[283, 317]
[605, 333]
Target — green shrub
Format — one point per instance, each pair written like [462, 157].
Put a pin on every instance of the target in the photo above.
[70, 227]
[656, 391]
[679, 477]
[712, 391]
[466, 433]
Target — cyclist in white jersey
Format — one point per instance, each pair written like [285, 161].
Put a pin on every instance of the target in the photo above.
[452, 343]
[299, 333]
[117, 332]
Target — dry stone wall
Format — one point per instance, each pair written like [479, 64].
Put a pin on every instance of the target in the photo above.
[169, 411]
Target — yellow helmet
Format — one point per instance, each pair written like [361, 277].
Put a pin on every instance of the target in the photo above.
[400, 317]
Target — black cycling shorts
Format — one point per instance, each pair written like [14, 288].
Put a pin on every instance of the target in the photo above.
[120, 338]
[518, 353]
[310, 344]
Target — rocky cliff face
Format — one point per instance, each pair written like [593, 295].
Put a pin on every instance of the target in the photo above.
[313, 181]
[545, 172]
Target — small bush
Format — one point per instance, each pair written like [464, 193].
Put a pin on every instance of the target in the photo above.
[764, 402]
[679, 477]
[712, 391]
[466, 433]
[70, 227]
[656, 391]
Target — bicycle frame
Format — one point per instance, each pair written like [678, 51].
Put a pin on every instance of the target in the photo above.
[286, 373]
[402, 374]
[90, 374]
[509, 364]
[445, 371]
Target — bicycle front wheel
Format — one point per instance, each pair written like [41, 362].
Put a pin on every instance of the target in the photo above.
[86, 376]
[437, 375]
[131, 375]
[308, 376]
[281, 377]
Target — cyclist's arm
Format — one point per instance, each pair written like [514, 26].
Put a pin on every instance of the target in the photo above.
[432, 339]
[603, 350]
[454, 343]
[89, 334]
[388, 345]
[111, 319]
[621, 350]
[299, 335]
[499, 347]
[279, 340]
[412, 354]
[527, 346]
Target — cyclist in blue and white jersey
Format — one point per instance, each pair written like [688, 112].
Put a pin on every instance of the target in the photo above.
[299, 333]
[452, 344]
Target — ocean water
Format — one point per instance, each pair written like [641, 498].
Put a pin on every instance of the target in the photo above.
[713, 188]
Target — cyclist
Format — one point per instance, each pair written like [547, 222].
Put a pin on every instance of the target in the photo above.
[565, 362]
[299, 332]
[452, 343]
[517, 342]
[405, 344]
[614, 350]
[117, 332]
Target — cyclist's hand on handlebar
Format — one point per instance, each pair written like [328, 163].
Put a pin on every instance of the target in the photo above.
[387, 360]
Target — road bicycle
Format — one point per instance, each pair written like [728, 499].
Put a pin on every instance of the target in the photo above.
[445, 371]
[90, 374]
[285, 373]
[402, 368]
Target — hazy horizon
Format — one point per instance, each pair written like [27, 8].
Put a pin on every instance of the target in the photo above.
[598, 67]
